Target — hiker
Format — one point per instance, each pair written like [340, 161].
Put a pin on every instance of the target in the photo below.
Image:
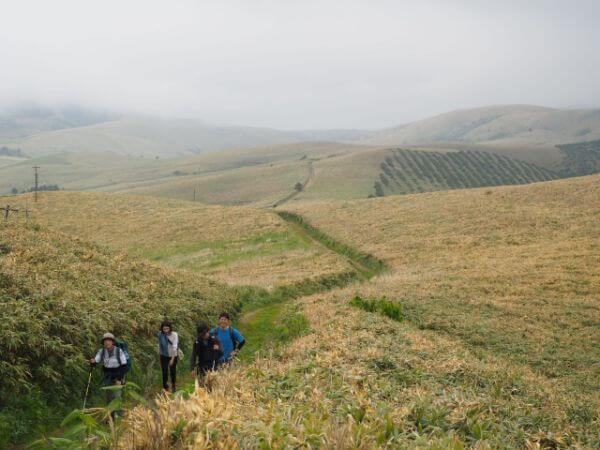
[114, 364]
[168, 346]
[231, 340]
[206, 352]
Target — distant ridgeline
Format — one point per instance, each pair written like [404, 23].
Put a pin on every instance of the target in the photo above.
[581, 158]
[410, 171]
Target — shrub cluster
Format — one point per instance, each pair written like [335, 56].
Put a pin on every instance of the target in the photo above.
[391, 309]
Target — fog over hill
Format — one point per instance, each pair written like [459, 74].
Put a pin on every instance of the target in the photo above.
[41, 131]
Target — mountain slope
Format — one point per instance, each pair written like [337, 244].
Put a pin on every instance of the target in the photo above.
[150, 137]
[507, 125]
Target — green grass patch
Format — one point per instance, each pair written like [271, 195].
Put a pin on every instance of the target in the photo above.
[200, 255]
[367, 265]
[388, 308]
[271, 326]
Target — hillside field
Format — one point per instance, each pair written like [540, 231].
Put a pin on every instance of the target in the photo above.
[237, 245]
[58, 295]
[483, 333]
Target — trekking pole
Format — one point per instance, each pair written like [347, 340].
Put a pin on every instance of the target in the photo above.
[87, 389]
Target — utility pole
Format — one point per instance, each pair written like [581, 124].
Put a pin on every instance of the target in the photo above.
[194, 194]
[35, 189]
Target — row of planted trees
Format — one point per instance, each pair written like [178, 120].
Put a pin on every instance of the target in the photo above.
[409, 171]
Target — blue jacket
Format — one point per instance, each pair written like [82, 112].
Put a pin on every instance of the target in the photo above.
[230, 339]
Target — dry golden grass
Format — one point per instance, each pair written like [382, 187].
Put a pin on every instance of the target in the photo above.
[512, 270]
[239, 245]
[341, 387]
[499, 348]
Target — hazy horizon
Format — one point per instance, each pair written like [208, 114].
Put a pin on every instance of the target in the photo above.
[313, 65]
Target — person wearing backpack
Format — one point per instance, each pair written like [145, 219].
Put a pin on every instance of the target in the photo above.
[231, 339]
[168, 349]
[114, 362]
[206, 352]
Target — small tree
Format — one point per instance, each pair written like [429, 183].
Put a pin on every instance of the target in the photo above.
[298, 186]
[14, 191]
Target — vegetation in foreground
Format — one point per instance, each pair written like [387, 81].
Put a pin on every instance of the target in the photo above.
[57, 296]
[340, 386]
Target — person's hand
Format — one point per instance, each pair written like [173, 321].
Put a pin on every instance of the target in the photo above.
[92, 361]
[216, 347]
[119, 382]
[194, 373]
[171, 362]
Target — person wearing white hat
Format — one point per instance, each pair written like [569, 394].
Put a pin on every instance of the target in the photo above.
[114, 363]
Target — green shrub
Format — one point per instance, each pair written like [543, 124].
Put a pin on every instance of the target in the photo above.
[391, 309]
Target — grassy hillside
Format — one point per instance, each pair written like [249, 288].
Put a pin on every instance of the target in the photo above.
[232, 244]
[259, 185]
[345, 174]
[149, 136]
[110, 171]
[512, 270]
[507, 125]
[28, 119]
[483, 334]
[58, 295]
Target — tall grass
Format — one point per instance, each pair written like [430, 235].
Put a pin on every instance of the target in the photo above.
[58, 295]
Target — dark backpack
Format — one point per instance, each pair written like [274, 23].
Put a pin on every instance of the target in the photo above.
[122, 346]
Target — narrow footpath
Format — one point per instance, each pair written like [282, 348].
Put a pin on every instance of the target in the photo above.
[264, 323]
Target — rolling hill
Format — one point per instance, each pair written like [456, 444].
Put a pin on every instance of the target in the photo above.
[114, 156]
[236, 245]
[148, 137]
[481, 334]
[28, 119]
[110, 171]
[500, 126]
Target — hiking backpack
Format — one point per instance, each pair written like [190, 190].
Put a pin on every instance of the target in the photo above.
[124, 347]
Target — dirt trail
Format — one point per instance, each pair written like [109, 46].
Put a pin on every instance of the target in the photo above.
[309, 181]
[260, 323]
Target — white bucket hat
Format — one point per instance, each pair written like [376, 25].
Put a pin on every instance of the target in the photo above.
[108, 336]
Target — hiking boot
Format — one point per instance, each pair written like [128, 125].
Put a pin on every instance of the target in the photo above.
[173, 389]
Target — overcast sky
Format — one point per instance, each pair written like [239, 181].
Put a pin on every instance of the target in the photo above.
[300, 64]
